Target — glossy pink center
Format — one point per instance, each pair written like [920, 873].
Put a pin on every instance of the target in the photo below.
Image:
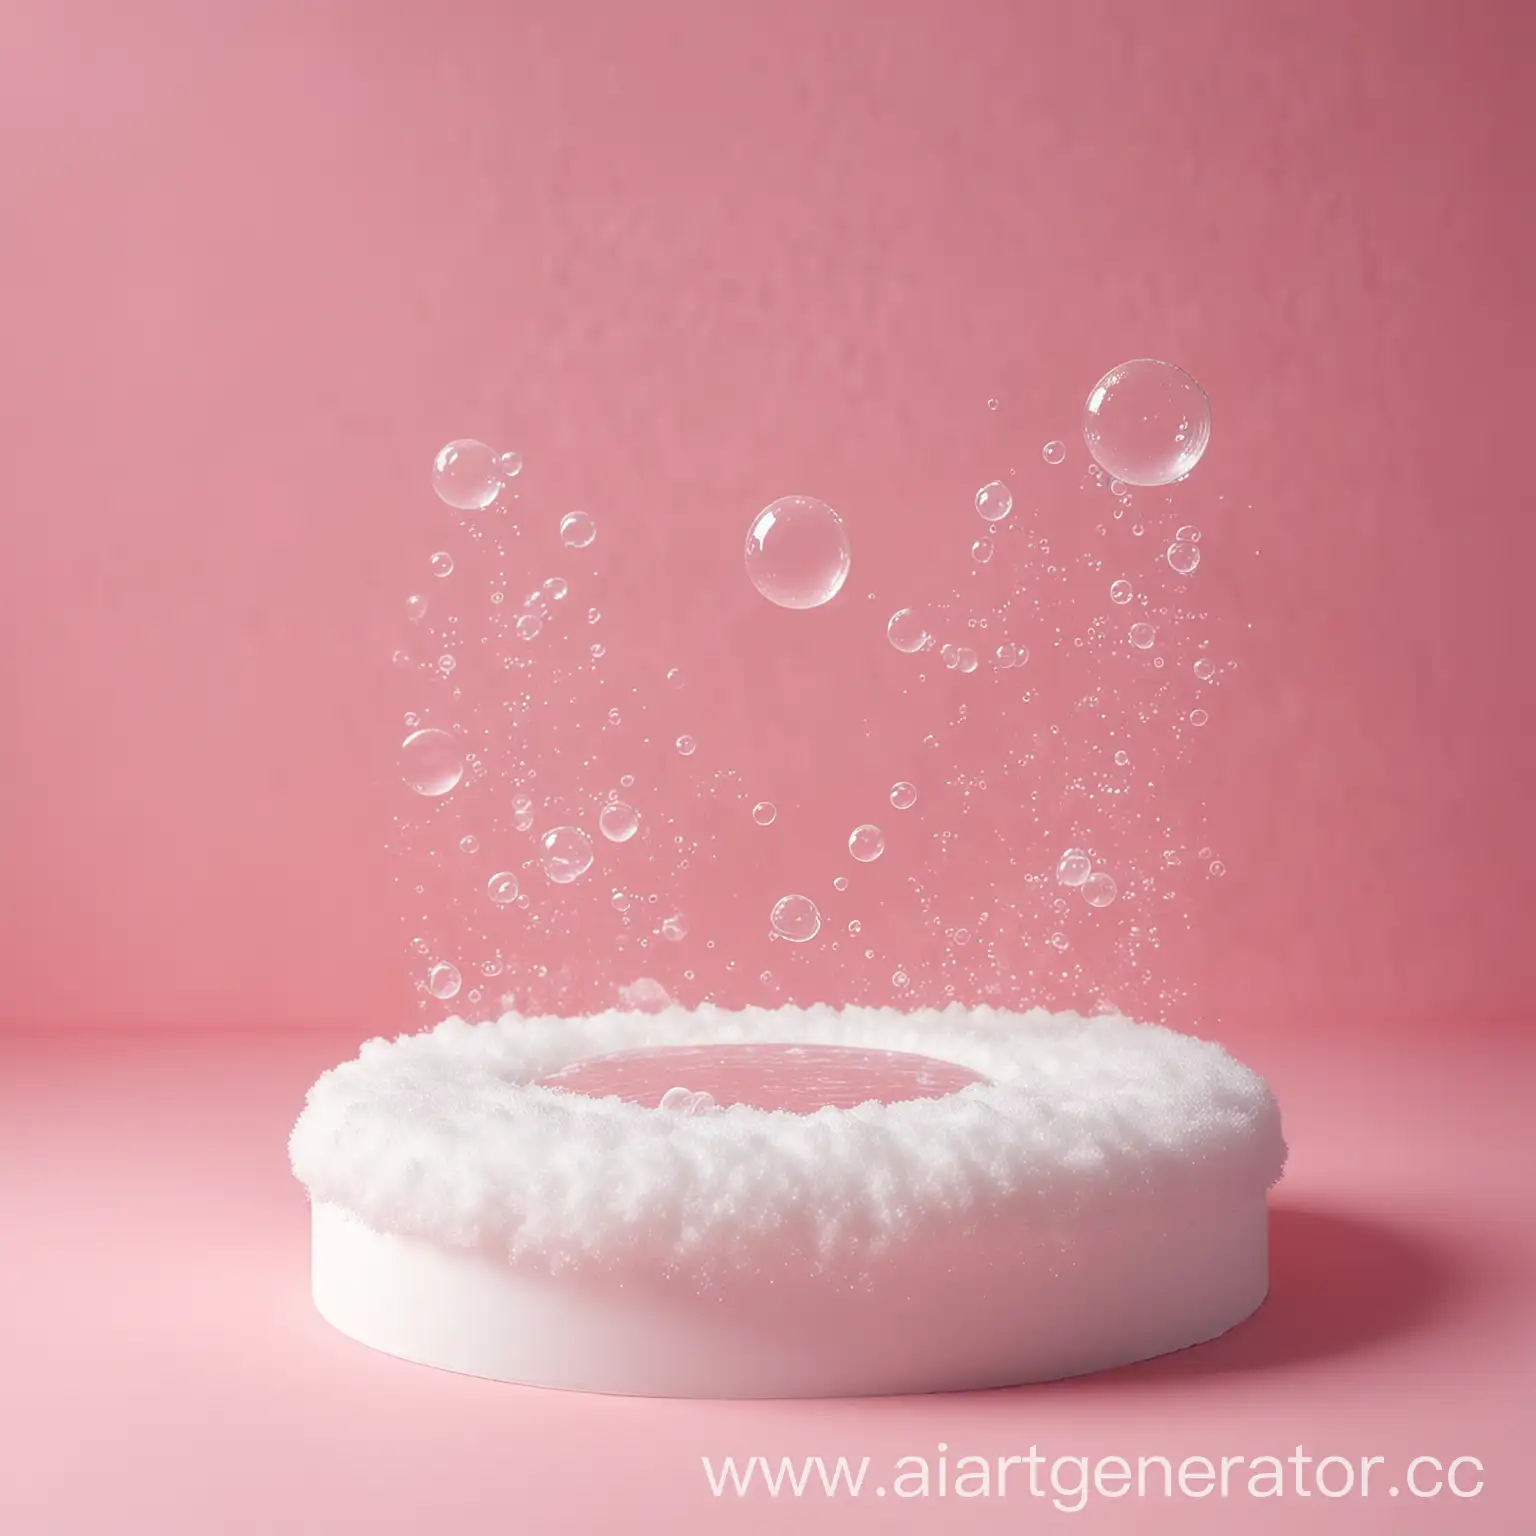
[772, 1075]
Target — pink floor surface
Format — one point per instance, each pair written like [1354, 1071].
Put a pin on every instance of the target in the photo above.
[164, 1371]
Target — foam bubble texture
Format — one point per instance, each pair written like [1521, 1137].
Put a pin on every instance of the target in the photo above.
[447, 1135]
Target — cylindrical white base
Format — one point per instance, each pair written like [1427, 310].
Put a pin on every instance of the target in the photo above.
[960, 1313]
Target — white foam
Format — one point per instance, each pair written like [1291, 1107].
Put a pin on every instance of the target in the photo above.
[446, 1135]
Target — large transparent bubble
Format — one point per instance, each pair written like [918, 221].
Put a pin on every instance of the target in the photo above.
[1146, 422]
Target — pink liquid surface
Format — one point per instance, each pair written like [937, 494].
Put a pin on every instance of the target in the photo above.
[771, 1075]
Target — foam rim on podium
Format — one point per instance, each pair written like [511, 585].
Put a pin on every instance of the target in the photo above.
[1099, 1198]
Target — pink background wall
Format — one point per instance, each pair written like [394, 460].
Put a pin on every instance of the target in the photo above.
[259, 262]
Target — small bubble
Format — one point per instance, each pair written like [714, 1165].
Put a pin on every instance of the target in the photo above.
[686, 745]
[1059, 941]
[1099, 889]
[866, 843]
[1217, 867]
[1188, 534]
[416, 607]
[1007, 655]
[620, 901]
[903, 795]
[626, 780]
[899, 980]
[522, 812]
[1120, 592]
[994, 501]
[502, 889]
[1054, 452]
[498, 598]
[597, 650]
[528, 625]
[675, 677]
[566, 854]
[795, 918]
[509, 465]
[431, 762]
[1142, 635]
[1198, 717]
[577, 530]
[763, 813]
[992, 404]
[951, 655]
[981, 551]
[491, 968]
[1073, 867]
[467, 475]
[1183, 556]
[444, 981]
[555, 587]
[1122, 758]
[1205, 669]
[855, 926]
[1119, 488]
[840, 883]
[966, 659]
[618, 822]
[469, 843]
[441, 563]
[412, 720]
[674, 928]
[906, 631]
[593, 615]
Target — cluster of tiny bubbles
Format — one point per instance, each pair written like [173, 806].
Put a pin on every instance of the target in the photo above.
[1098, 890]
[686, 745]
[522, 812]
[431, 761]
[469, 476]
[994, 501]
[415, 607]
[529, 625]
[903, 795]
[795, 918]
[1198, 717]
[1073, 867]
[866, 843]
[577, 530]
[674, 928]
[797, 552]
[1183, 556]
[469, 843]
[1205, 669]
[907, 632]
[441, 563]
[1012, 655]
[502, 888]
[981, 551]
[1147, 422]
[1142, 635]
[618, 821]
[840, 883]
[555, 587]
[1054, 452]
[1121, 592]
[764, 812]
[566, 854]
[443, 980]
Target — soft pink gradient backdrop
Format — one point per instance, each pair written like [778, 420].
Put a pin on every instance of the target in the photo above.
[258, 262]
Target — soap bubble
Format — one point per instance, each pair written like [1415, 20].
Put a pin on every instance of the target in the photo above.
[675, 678]
[1073, 867]
[1205, 669]
[764, 812]
[431, 761]
[1122, 758]
[416, 607]
[686, 745]
[866, 843]
[1008, 655]
[1198, 717]
[1142, 636]
[522, 812]
[951, 656]
[467, 475]
[577, 530]
[1054, 452]
[899, 979]
[1189, 533]
[1183, 556]
[554, 587]
[981, 551]
[1099, 890]
[469, 843]
[566, 854]
[678, 1098]
[509, 465]
[502, 888]
[966, 659]
[994, 501]
[840, 883]
[618, 822]
[528, 625]
[674, 928]
[797, 552]
[906, 631]
[993, 403]
[441, 563]
[444, 981]
[795, 918]
[1121, 592]
[1146, 422]
[1216, 867]
[903, 795]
